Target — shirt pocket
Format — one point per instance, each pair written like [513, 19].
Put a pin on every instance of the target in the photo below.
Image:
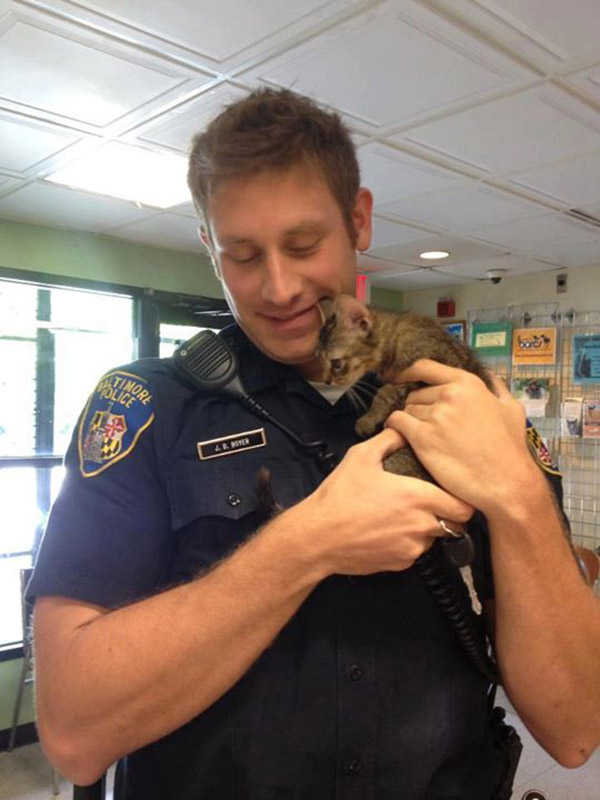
[216, 507]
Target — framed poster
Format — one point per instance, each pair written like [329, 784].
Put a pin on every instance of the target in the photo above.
[534, 346]
[457, 329]
[586, 358]
[491, 338]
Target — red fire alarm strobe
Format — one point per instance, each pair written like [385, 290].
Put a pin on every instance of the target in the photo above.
[446, 307]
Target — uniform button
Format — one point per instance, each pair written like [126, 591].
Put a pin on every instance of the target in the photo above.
[234, 499]
[355, 765]
[356, 672]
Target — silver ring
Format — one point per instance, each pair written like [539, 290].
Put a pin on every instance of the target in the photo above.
[448, 530]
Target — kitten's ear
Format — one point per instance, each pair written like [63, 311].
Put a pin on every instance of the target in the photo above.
[357, 313]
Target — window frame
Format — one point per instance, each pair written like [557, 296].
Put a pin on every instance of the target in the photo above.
[150, 308]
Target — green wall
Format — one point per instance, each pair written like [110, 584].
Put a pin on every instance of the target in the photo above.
[75, 254]
[86, 255]
[10, 674]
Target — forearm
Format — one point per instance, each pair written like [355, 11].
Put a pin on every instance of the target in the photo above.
[131, 676]
[547, 627]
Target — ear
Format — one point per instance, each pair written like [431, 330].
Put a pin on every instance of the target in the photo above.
[204, 237]
[356, 313]
[362, 218]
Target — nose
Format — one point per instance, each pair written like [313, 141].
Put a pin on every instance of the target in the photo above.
[281, 284]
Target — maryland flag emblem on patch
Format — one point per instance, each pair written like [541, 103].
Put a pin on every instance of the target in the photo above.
[116, 414]
[539, 450]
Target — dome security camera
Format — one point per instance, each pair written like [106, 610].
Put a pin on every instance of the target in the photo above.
[495, 275]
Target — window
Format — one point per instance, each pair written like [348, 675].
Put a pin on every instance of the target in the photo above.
[171, 336]
[54, 345]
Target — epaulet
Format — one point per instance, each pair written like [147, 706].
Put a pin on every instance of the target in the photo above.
[540, 452]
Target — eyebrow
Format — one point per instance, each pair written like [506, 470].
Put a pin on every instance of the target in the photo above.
[308, 226]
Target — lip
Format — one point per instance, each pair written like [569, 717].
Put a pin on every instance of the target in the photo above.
[293, 322]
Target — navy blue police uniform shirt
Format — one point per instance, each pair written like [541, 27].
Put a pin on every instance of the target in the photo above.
[364, 694]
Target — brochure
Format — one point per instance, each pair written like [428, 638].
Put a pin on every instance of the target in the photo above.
[571, 414]
[591, 420]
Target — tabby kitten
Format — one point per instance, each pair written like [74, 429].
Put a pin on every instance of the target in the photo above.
[355, 339]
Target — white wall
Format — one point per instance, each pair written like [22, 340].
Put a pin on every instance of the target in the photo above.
[583, 293]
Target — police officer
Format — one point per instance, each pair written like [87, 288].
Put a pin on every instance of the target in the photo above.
[218, 656]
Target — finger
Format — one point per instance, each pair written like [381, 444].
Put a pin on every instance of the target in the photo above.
[420, 412]
[382, 445]
[444, 505]
[428, 371]
[500, 388]
[428, 395]
[404, 424]
[450, 509]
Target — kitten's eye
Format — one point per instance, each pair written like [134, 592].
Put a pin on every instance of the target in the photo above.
[337, 364]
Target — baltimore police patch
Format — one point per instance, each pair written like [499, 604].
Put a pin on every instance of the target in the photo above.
[118, 411]
[540, 451]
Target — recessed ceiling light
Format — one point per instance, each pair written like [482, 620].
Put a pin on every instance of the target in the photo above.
[129, 173]
[435, 254]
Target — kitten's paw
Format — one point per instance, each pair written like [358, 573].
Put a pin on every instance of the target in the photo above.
[367, 426]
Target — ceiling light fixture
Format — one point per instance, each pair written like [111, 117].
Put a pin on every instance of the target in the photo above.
[434, 255]
[128, 173]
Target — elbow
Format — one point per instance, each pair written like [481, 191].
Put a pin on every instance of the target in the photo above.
[571, 753]
[573, 757]
[73, 758]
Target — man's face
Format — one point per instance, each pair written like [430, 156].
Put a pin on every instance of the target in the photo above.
[280, 244]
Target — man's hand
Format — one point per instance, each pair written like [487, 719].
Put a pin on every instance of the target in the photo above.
[368, 520]
[473, 442]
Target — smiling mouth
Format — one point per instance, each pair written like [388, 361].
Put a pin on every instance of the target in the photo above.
[290, 317]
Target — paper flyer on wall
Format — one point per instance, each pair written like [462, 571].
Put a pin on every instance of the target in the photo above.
[571, 416]
[591, 420]
[586, 358]
[533, 394]
[534, 346]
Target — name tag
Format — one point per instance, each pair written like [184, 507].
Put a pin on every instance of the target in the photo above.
[228, 445]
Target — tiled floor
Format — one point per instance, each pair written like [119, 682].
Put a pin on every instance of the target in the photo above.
[26, 775]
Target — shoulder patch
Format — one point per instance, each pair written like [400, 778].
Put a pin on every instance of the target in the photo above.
[539, 450]
[118, 411]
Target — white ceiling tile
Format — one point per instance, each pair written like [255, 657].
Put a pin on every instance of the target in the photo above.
[217, 30]
[513, 133]
[184, 210]
[565, 29]
[162, 230]
[52, 71]
[386, 232]
[23, 143]
[573, 183]
[416, 279]
[513, 264]
[393, 175]
[44, 204]
[8, 183]
[550, 34]
[461, 250]
[371, 265]
[588, 79]
[465, 208]
[388, 66]
[176, 128]
[552, 237]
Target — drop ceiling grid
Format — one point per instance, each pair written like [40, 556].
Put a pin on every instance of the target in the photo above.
[396, 44]
[79, 78]
[454, 103]
[550, 35]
